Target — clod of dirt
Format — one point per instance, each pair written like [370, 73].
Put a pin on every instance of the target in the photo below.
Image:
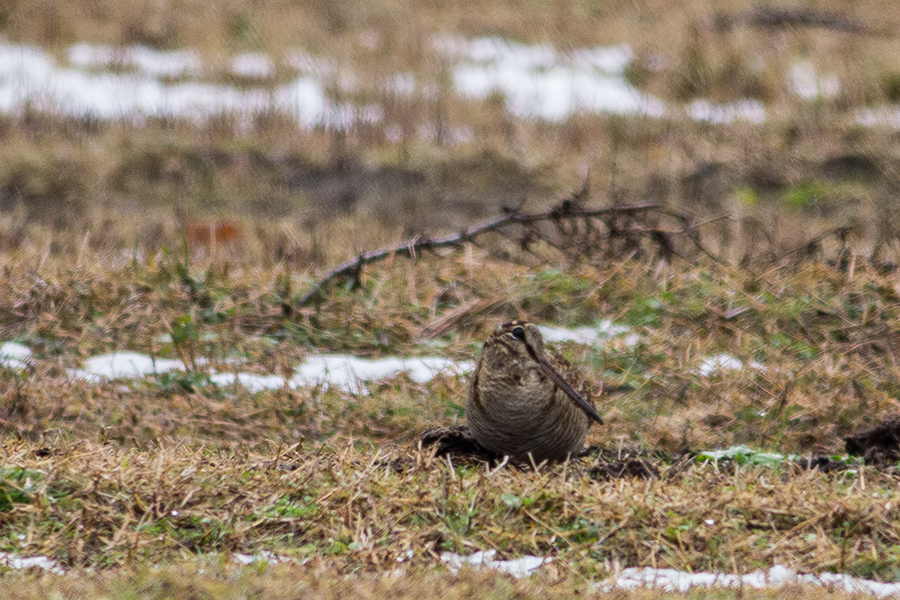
[640, 468]
[879, 445]
[822, 463]
[456, 442]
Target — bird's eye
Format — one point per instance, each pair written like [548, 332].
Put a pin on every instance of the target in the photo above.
[519, 333]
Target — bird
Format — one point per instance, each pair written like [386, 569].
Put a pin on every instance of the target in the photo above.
[527, 401]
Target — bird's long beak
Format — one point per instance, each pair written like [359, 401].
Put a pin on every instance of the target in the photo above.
[568, 389]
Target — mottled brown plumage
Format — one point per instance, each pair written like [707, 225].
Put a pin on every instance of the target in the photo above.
[527, 400]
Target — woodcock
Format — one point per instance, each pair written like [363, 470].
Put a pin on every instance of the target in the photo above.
[527, 400]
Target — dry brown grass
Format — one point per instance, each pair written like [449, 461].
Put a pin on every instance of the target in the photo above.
[355, 508]
[153, 483]
[114, 193]
[823, 335]
[93, 473]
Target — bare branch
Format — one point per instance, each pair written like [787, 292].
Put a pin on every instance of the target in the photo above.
[566, 210]
[775, 17]
[617, 231]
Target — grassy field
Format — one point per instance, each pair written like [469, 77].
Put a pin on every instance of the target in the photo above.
[172, 468]
[197, 240]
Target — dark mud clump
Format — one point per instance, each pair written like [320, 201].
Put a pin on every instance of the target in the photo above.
[880, 445]
[822, 463]
[632, 468]
[627, 463]
[456, 442]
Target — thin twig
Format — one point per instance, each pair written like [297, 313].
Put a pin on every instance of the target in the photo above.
[772, 17]
[810, 243]
[351, 268]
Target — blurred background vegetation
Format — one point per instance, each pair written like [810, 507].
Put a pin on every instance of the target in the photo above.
[262, 187]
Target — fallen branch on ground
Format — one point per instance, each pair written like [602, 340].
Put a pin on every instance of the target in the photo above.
[772, 17]
[619, 222]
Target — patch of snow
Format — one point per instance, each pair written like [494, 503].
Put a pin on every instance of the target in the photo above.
[252, 64]
[29, 78]
[305, 99]
[723, 362]
[612, 59]
[672, 580]
[751, 111]
[805, 82]
[341, 371]
[250, 381]
[199, 100]
[124, 365]
[536, 80]
[881, 116]
[347, 372]
[517, 567]
[263, 556]
[602, 332]
[155, 63]
[14, 356]
[14, 561]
